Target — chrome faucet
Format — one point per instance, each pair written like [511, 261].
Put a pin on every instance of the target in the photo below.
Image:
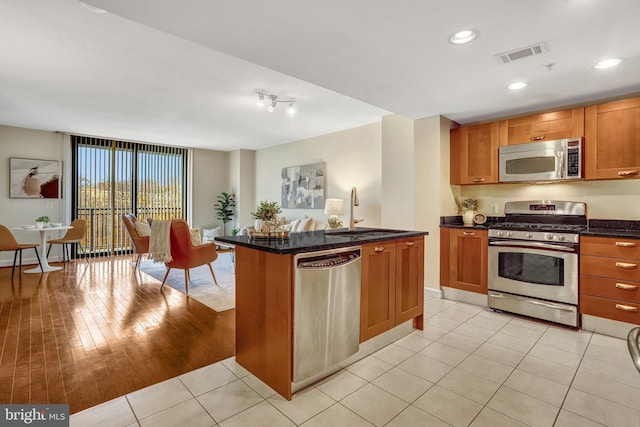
[354, 202]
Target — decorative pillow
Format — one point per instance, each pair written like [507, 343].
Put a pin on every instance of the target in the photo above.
[306, 224]
[143, 228]
[195, 236]
[209, 234]
[294, 225]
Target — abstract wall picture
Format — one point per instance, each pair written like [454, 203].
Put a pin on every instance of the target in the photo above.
[303, 187]
[35, 179]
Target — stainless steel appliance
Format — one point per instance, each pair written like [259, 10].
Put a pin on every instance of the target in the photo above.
[326, 310]
[533, 260]
[556, 160]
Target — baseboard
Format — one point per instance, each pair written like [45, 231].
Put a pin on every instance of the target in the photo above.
[28, 261]
[474, 298]
[601, 325]
[432, 293]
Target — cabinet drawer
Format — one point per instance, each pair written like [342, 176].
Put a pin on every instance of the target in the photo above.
[614, 268]
[610, 309]
[623, 290]
[610, 247]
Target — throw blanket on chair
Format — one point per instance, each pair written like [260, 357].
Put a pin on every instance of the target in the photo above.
[160, 241]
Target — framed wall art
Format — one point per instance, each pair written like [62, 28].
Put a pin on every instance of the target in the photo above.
[303, 187]
[35, 178]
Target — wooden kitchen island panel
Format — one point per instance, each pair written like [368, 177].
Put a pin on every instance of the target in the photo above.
[263, 316]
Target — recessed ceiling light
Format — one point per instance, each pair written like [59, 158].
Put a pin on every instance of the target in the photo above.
[464, 36]
[517, 85]
[607, 63]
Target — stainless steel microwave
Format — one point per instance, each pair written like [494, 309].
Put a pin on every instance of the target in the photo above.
[558, 160]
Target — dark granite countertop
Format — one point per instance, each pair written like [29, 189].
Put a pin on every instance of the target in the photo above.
[311, 241]
[613, 228]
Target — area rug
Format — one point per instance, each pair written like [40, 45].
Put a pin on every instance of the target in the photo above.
[219, 297]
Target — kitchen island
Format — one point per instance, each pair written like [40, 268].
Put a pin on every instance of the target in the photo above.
[391, 297]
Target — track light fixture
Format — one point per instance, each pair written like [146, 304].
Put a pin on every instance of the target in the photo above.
[271, 101]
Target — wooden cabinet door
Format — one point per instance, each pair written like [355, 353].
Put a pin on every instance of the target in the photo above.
[543, 127]
[474, 154]
[377, 301]
[612, 140]
[468, 260]
[409, 279]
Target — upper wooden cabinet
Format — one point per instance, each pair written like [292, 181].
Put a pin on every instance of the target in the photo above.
[612, 140]
[474, 154]
[543, 127]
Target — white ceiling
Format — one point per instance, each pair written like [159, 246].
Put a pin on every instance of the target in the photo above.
[184, 72]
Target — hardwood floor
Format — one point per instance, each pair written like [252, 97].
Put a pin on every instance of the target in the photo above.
[89, 333]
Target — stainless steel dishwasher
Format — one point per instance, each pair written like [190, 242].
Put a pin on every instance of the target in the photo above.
[326, 311]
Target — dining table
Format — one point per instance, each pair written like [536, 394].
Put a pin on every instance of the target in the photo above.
[44, 232]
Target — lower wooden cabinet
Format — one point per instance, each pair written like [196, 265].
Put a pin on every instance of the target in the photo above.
[392, 285]
[610, 278]
[466, 259]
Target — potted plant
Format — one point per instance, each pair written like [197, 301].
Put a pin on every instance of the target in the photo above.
[224, 209]
[265, 212]
[467, 207]
[42, 221]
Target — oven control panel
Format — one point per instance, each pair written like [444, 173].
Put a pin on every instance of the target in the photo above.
[536, 236]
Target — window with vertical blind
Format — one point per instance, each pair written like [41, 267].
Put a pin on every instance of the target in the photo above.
[112, 178]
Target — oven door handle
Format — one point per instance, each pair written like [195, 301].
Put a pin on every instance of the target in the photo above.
[532, 245]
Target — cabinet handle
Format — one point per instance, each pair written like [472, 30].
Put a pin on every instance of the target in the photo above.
[379, 249]
[626, 265]
[478, 179]
[628, 173]
[626, 308]
[626, 244]
[468, 233]
[411, 243]
[537, 138]
[626, 287]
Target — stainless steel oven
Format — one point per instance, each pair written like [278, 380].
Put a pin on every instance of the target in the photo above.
[533, 261]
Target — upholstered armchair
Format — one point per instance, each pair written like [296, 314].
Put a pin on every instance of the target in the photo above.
[139, 241]
[185, 255]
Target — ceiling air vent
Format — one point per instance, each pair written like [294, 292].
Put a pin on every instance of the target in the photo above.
[534, 49]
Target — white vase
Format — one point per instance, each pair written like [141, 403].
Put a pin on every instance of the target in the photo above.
[467, 218]
[257, 225]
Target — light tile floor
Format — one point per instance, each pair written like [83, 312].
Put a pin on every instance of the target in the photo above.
[469, 367]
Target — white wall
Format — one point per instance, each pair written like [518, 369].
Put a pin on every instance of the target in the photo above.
[242, 181]
[30, 144]
[397, 174]
[210, 178]
[352, 158]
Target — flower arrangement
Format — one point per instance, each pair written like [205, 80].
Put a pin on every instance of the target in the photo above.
[266, 211]
[334, 222]
[468, 204]
[43, 218]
